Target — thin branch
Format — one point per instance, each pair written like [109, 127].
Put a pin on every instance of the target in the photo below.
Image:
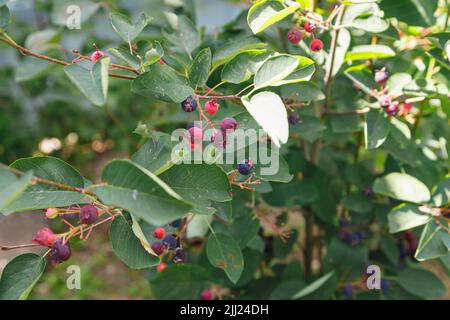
[20, 246]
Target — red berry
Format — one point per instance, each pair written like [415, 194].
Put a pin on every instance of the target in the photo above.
[88, 214]
[161, 61]
[392, 110]
[381, 76]
[316, 45]
[405, 108]
[45, 237]
[310, 27]
[195, 135]
[157, 248]
[206, 295]
[295, 36]
[161, 267]
[212, 106]
[159, 233]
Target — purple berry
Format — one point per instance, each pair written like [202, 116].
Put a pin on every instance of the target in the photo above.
[381, 76]
[60, 252]
[245, 167]
[293, 118]
[228, 124]
[88, 214]
[176, 223]
[189, 105]
[348, 290]
[392, 110]
[180, 256]
[385, 285]
[295, 36]
[368, 191]
[343, 222]
[384, 101]
[157, 248]
[169, 243]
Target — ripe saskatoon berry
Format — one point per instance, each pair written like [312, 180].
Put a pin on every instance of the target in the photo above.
[245, 167]
[392, 110]
[60, 252]
[159, 233]
[348, 290]
[189, 105]
[88, 214]
[161, 267]
[385, 285]
[293, 118]
[316, 45]
[169, 242]
[310, 26]
[212, 106]
[206, 295]
[384, 101]
[295, 36]
[176, 223]
[51, 213]
[381, 76]
[228, 124]
[180, 256]
[157, 248]
[45, 237]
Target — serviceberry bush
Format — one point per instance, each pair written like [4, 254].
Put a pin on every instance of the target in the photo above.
[353, 101]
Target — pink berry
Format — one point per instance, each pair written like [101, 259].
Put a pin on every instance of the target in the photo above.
[392, 110]
[405, 108]
[161, 267]
[45, 237]
[381, 76]
[316, 45]
[295, 36]
[51, 213]
[97, 55]
[195, 135]
[206, 295]
[159, 233]
[384, 101]
[310, 27]
[212, 106]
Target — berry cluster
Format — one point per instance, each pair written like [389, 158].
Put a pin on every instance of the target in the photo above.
[295, 35]
[348, 236]
[170, 245]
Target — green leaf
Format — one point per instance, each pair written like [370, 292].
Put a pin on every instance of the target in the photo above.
[265, 13]
[244, 65]
[357, 202]
[426, 88]
[303, 91]
[269, 111]
[362, 76]
[142, 193]
[414, 13]
[20, 276]
[390, 249]
[42, 196]
[161, 82]
[11, 187]
[199, 70]
[92, 83]
[154, 54]
[421, 283]
[397, 82]
[147, 54]
[186, 36]
[366, 52]
[275, 71]
[232, 48]
[310, 128]
[31, 68]
[402, 186]
[180, 281]
[441, 193]
[376, 128]
[125, 28]
[5, 17]
[128, 247]
[313, 286]
[432, 242]
[365, 16]
[223, 252]
[199, 183]
[406, 216]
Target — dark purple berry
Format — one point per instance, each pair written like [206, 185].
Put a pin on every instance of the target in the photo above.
[176, 223]
[368, 191]
[157, 248]
[343, 235]
[385, 285]
[392, 110]
[180, 256]
[343, 222]
[295, 36]
[88, 214]
[381, 76]
[60, 252]
[189, 105]
[293, 118]
[384, 101]
[228, 124]
[169, 243]
[245, 167]
[348, 290]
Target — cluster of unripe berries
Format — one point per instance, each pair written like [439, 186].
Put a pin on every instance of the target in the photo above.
[390, 107]
[352, 238]
[295, 35]
[168, 243]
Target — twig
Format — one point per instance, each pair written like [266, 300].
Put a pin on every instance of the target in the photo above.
[20, 246]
